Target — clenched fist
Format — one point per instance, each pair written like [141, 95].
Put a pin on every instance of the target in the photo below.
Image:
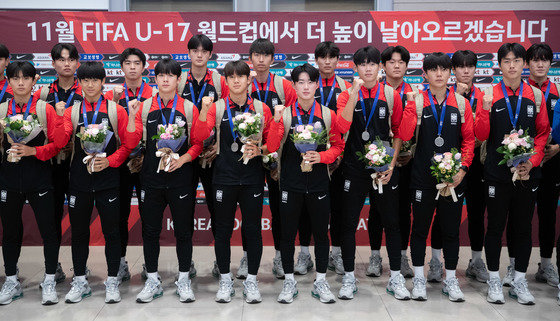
[117, 92]
[60, 107]
[278, 111]
[207, 102]
[411, 96]
[487, 102]
[462, 88]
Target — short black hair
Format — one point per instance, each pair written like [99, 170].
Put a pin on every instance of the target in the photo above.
[435, 60]
[25, 67]
[132, 51]
[238, 67]
[4, 52]
[91, 70]
[200, 40]
[56, 51]
[327, 49]
[168, 67]
[262, 46]
[464, 58]
[517, 49]
[387, 54]
[367, 54]
[540, 51]
[305, 68]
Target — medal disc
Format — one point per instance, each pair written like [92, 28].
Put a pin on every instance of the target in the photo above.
[234, 147]
[439, 141]
[365, 136]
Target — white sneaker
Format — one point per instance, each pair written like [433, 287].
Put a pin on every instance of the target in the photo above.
[477, 270]
[520, 291]
[112, 293]
[335, 263]
[419, 289]
[277, 268]
[78, 291]
[184, 290]
[243, 270]
[289, 291]
[225, 291]
[508, 279]
[547, 274]
[374, 268]
[452, 290]
[348, 288]
[10, 291]
[304, 264]
[124, 273]
[406, 270]
[495, 291]
[435, 273]
[152, 290]
[59, 274]
[48, 293]
[192, 271]
[216, 270]
[251, 292]
[322, 291]
[396, 287]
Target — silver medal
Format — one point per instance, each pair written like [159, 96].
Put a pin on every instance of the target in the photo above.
[439, 141]
[234, 147]
[365, 136]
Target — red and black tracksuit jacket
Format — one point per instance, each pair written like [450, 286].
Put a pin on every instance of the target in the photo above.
[327, 85]
[62, 94]
[273, 99]
[32, 173]
[495, 124]
[147, 92]
[210, 89]
[9, 93]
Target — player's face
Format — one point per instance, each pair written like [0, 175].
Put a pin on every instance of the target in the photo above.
[132, 67]
[367, 71]
[464, 74]
[438, 77]
[305, 87]
[167, 83]
[261, 62]
[539, 68]
[65, 66]
[237, 84]
[199, 56]
[327, 64]
[511, 66]
[396, 67]
[22, 85]
[92, 87]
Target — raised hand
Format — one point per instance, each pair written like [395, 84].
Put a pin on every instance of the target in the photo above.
[487, 102]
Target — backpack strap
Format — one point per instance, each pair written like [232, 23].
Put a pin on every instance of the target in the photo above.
[258, 105]
[114, 119]
[341, 83]
[390, 98]
[146, 106]
[182, 82]
[461, 106]
[217, 80]
[279, 86]
[4, 109]
[155, 91]
[287, 122]
[538, 97]
[419, 101]
[220, 109]
[75, 117]
[41, 112]
[44, 92]
[188, 106]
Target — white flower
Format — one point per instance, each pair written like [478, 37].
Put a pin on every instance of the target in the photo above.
[438, 158]
[250, 119]
[266, 159]
[242, 126]
[458, 156]
[511, 146]
[441, 166]
[306, 135]
[375, 158]
[181, 123]
[94, 131]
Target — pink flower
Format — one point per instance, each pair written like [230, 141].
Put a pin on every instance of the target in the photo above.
[299, 128]
[181, 123]
[447, 155]
[438, 158]
[458, 156]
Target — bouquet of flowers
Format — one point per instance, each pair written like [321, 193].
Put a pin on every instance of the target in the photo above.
[306, 138]
[21, 131]
[270, 161]
[169, 139]
[208, 142]
[517, 147]
[249, 128]
[94, 138]
[377, 156]
[444, 167]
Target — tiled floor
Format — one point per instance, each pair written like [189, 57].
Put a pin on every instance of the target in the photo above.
[371, 302]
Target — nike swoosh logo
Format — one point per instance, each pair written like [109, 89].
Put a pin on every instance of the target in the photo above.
[113, 57]
[460, 195]
[19, 57]
[183, 196]
[296, 57]
[358, 109]
[257, 195]
[224, 119]
[409, 72]
[42, 194]
[42, 72]
[321, 197]
[427, 116]
[113, 79]
[534, 189]
[50, 101]
[151, 121]
[499, 110]
[112, 200]
[480, 56]
[317, 97]
[80, 124]
[394, 187]
[478, 79]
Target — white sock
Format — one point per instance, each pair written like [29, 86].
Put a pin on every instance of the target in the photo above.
[153, 276]
[245, 254]
[289, 276]
[111, 278]
[436, 254]
[476, 255]
[251, 278]
[277, 255]
[545, 261]
[512, 261]
[336, 250]
[183, 275]
[518, 276]
[225, 277]
[321, 276]
[12, 278]
[494, 274]
[49, 277]
[403, 253]
[395, 273]
[123, 260]
[304, 249]
[350, 274]
[418, 271]
[81, 278]
[375, 253]
[449, 274]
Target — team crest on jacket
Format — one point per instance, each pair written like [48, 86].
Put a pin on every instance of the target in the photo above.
[347, 185]
[4, 196]
[284, 197]
[530, 110]
[418, 195]
[72, 201]
[105, 122]
[491, 191]
[211, 94]
[274, 102]
[553, 103]
[382, 112]
[219, 195]
[177, 119]
[453, 118]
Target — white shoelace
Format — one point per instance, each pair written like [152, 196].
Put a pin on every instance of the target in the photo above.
[398, 282]
[251, 286]
[288, 286]
[8, 287]
[225, 286]
[48, 287]
[323, 287]
[150, 285]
